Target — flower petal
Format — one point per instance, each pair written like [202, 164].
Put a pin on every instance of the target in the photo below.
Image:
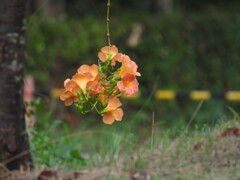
[82, 79]
[121, 86]
[65, 94]
[71, 85]
[96, 87]
[128, 66]
[113, 49]
[113, 104]
[68, 102]
[105, 49]
[118, 57]
[85, 69]
[102, 56]
[66, 81]
[129, 84]
[108, 118]
[94, 70]
[138, 74]
[117, 114]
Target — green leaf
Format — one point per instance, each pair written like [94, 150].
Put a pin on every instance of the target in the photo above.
[46, 118]
[55, 124]
[75, 154]
[235, 114]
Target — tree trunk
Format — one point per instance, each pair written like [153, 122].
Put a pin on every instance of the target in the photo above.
[13, 135]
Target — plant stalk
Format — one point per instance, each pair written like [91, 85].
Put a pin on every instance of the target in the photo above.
[108, 20]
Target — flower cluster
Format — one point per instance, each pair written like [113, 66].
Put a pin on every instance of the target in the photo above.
[99, 86]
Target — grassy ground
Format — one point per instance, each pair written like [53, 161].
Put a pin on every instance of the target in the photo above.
[201, 154]
[115, 152]
[111, 154]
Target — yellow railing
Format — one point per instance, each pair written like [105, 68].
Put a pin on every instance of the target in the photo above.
[196, 95]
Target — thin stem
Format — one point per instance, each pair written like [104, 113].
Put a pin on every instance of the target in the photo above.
[94, 105]
[194, 115]
[107, 20]
[152, 140]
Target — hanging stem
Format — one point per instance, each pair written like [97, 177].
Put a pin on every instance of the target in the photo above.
[107, 20]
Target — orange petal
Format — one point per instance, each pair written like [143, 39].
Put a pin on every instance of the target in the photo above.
[65, 94]
[71, 85]
[117, 114]
[118, 57]
[105, 49]
[128, 66]
[128, 77]
[68, 102]
[113, 104]
[125, 58]
[66, 81]
[137, 74]
[121, 86]
[129, 84]
[113, 49]
[94, 70]
[85, 68]
[130, 91]
[113, 63]
[108, 118]
[102, 56]
[82, 79]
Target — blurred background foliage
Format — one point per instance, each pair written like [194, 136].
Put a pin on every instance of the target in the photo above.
[186, 46]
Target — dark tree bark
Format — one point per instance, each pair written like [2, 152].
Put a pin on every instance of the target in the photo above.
[13, 135]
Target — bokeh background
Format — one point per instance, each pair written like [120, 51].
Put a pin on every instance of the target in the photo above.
[181, 45]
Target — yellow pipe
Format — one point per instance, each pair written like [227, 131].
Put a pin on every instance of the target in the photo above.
[232, 95]
[165, 94]
[200, 95]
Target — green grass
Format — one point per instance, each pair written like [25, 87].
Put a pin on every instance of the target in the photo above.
[115, 152]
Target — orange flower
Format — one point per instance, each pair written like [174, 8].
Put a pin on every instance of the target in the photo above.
[68, 95]
[129, 84]
[128, 66]
[96, 87]
[109, 53]
[113, 111]
[83, 79]
[86, 76]
[85, 69]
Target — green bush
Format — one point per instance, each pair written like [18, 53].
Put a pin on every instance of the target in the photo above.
[192, 52]
[196, 51]
[56, 48]
[177, 51]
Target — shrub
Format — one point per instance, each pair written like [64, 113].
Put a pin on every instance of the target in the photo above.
[177, 51]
